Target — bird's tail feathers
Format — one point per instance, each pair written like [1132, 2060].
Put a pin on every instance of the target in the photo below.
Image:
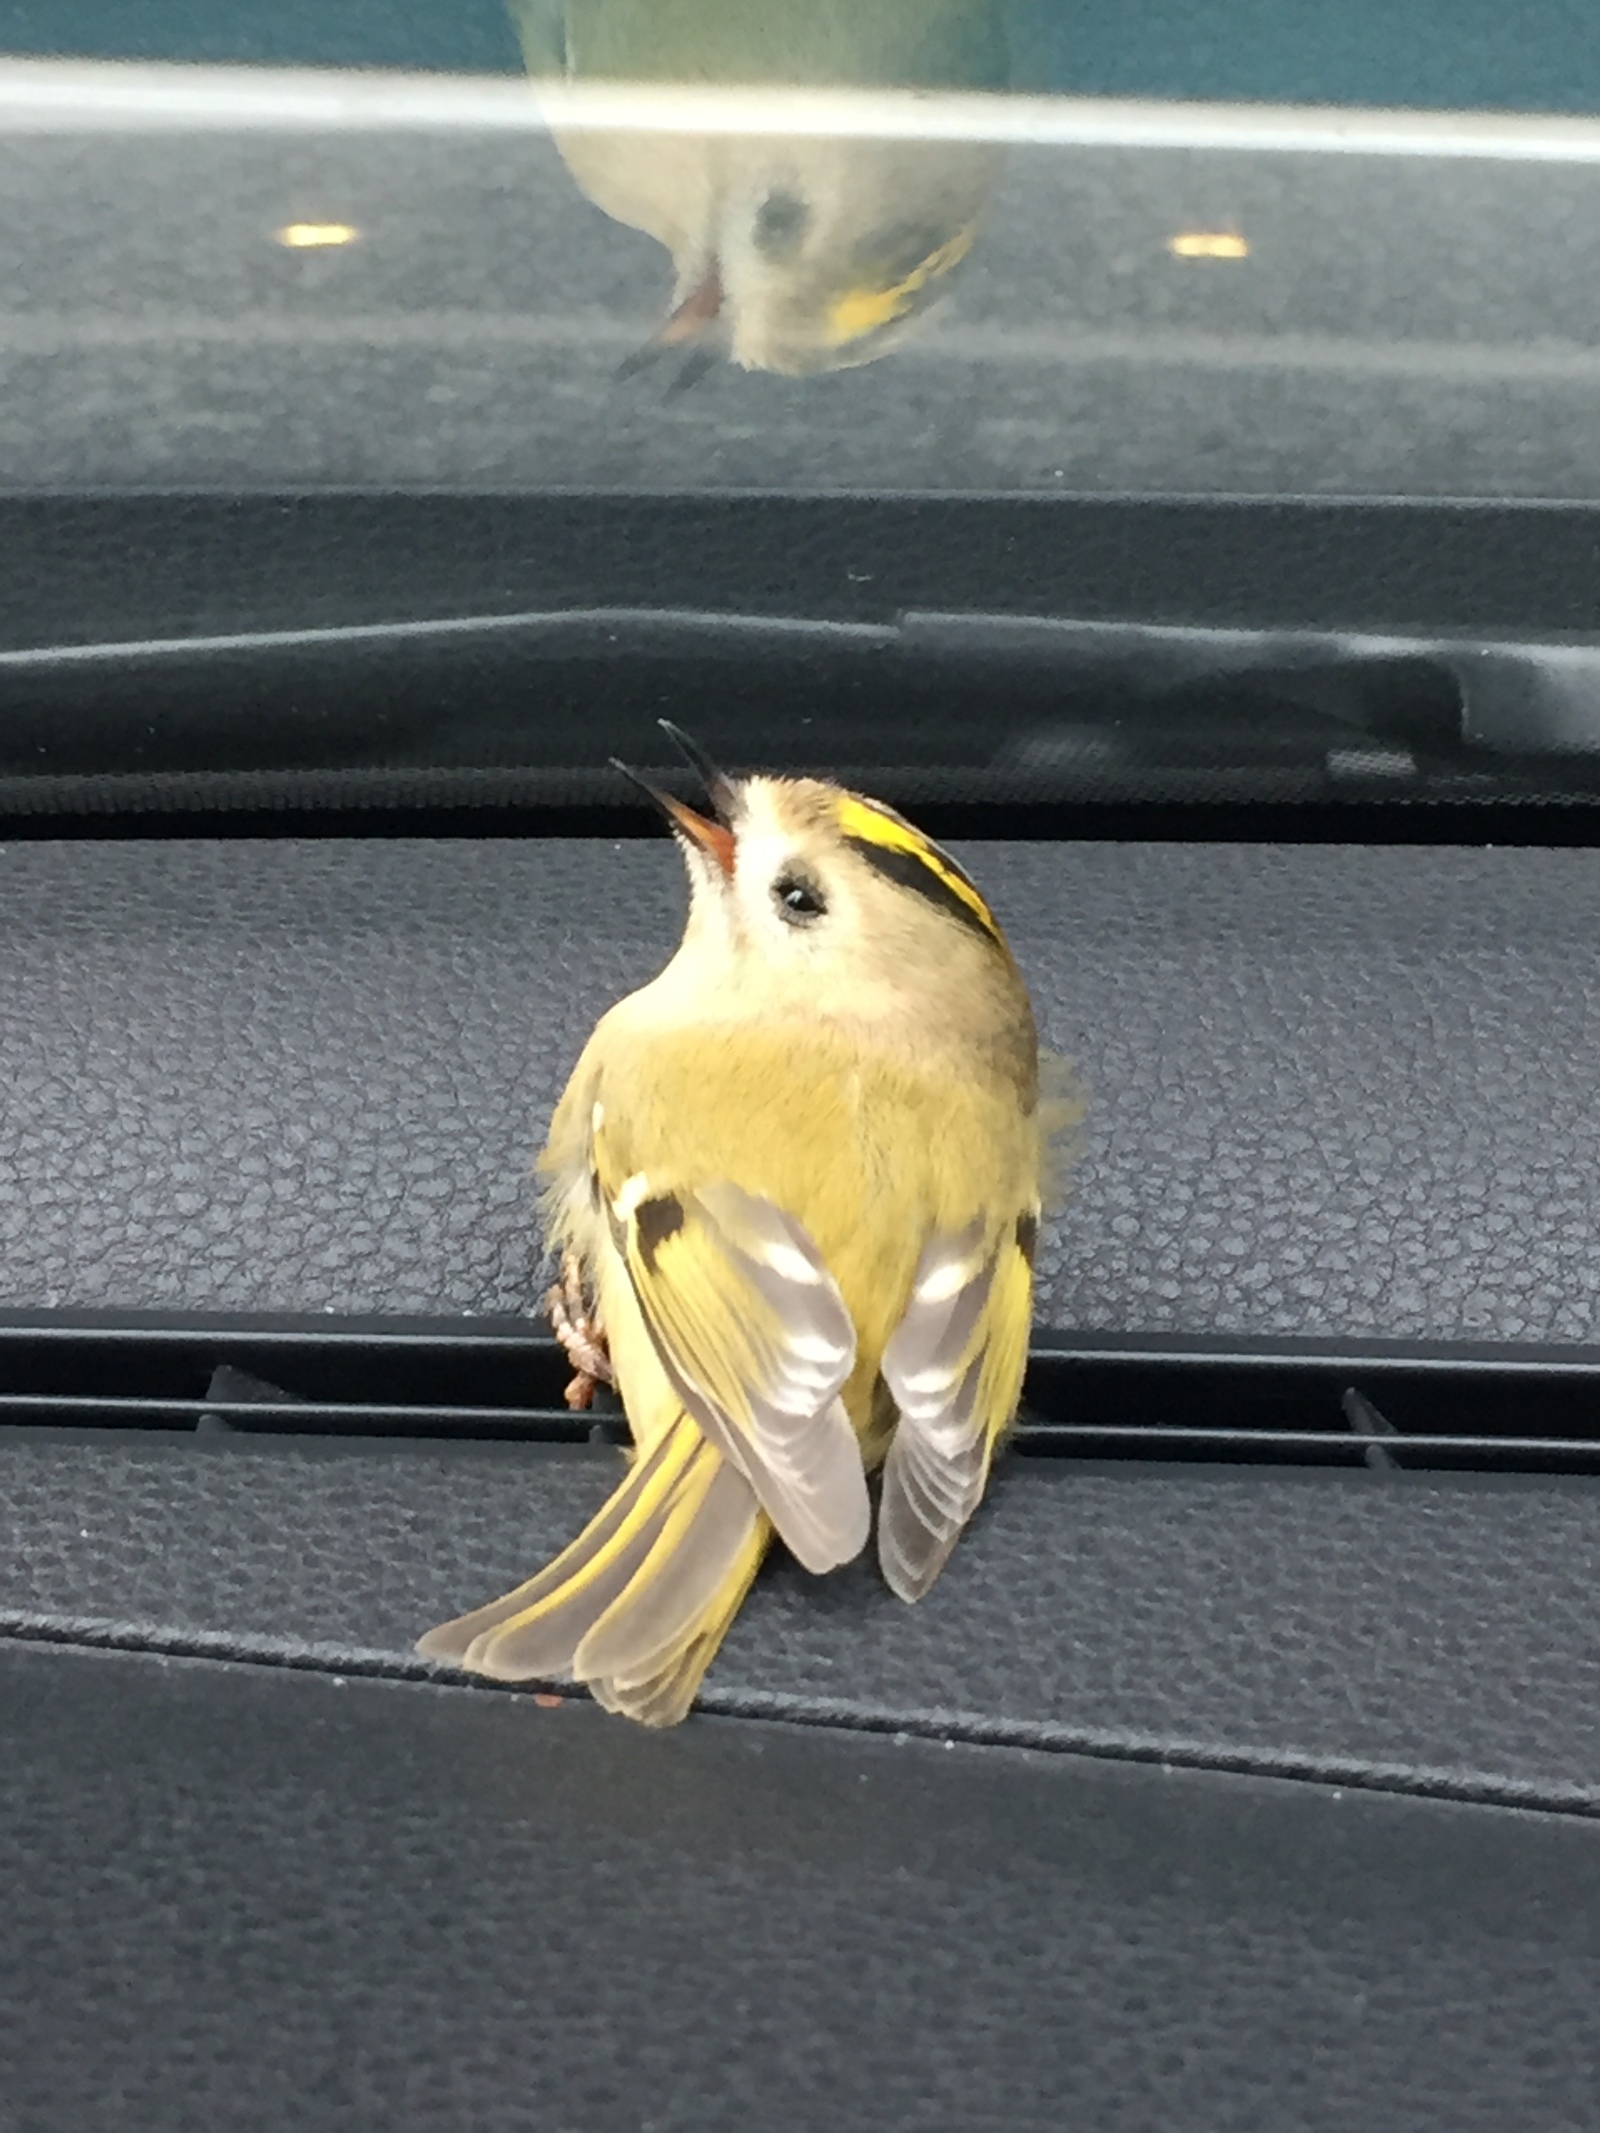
[638, 1604]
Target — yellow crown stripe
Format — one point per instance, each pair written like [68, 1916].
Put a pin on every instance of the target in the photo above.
[862, 311]
[880, 826]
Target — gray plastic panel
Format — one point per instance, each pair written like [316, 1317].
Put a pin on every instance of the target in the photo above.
[1333, 1090]
[255, 1901]
[1405, 1631]
[1338, 1090]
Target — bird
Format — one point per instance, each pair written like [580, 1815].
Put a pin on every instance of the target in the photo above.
[795, 1185]
[798, 253]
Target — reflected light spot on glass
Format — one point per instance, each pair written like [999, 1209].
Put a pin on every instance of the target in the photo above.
[311, 236]
[1208, 244]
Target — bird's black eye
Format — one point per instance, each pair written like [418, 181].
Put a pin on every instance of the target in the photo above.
[799, 901]
[780, 225]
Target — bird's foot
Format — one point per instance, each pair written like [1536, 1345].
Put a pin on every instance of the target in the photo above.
[578, 1330]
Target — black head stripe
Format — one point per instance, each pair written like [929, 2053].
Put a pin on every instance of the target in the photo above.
[913, 836]
[912, 871]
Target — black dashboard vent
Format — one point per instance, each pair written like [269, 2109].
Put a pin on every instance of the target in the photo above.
[1387, 1406]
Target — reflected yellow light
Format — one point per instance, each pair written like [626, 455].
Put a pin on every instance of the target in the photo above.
[1208, 244]
[307, 236]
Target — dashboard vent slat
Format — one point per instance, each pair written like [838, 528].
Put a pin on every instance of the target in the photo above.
[1388, 1406]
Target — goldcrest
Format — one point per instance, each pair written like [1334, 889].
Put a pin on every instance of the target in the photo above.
[800, 253]
[795, 1184]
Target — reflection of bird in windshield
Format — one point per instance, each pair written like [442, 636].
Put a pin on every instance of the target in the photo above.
[793, 253]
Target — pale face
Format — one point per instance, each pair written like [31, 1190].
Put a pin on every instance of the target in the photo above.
[792, 898]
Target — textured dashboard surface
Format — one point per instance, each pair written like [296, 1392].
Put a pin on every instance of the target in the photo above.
[1332, 1089]
[1401, 1631]
[254, 1900]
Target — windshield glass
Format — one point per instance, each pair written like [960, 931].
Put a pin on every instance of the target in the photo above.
[928, 249]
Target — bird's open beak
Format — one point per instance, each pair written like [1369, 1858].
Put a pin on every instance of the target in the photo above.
[692, 326]
[712, 834]
[720, 789]
[711, 837]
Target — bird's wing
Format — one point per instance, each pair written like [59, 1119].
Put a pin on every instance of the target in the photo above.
[755, 1338]
[954, 1366]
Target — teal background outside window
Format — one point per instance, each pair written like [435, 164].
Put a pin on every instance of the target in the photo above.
[1529, 55]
